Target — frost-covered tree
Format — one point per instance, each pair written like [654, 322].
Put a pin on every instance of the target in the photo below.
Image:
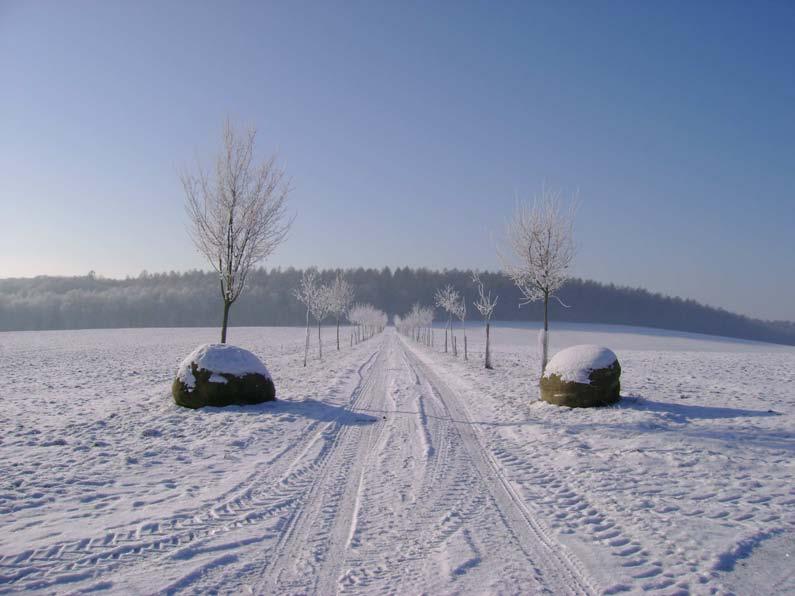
[426, 320]
[321, 308]
[367, 320]
[341, 295]
[485, 305]
[416, 323]
[237, 212]
[315, 297]
[541, 241]
[447, 299]
[460, 311]
[354, 317]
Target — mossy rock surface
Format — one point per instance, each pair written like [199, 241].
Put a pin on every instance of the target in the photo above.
[252, 388]
[222, 375]
[582, 377]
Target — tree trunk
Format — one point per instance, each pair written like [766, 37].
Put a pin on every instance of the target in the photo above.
[545, 342]
[488, 353]
[466, 357]
[227, 304]
[338, 334]
[306, 345]
[319, 342]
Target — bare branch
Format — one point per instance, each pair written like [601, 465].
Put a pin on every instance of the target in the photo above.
[484, 303]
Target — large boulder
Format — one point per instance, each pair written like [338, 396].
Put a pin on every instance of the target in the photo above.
[582, 377]
[222, 375]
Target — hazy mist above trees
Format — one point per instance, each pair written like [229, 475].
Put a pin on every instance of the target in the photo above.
[192, 299]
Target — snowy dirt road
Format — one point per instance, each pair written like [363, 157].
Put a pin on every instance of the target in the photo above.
[405, 502]
[412, 503]
[391, 493]
[392, 468]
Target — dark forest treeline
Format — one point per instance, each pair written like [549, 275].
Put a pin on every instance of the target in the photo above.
[193, 299]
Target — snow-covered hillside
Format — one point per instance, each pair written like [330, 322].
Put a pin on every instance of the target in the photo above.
[391, 467]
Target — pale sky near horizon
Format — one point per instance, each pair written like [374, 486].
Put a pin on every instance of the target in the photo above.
[409, 129]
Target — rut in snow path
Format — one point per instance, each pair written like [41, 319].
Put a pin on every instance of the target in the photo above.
[413, 503]
[167, 541]
[315, 534]
[405, 501]
[559, 570]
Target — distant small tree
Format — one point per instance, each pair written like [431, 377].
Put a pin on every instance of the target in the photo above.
[341, 295]
[367, 320]
[541, 240]
[321, 308]
[485, 306]
[447, 299]
[314, 296]
[460, 311]
[417, 323]
[238, 214]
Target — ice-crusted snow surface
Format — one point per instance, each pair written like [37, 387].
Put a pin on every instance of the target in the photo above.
[220, 359]
[576, 363]
[391, 467]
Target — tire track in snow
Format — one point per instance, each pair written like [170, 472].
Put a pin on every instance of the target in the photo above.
[323, 524]
[561, 571]
[453, 533]
[380, 507]
[181, 537]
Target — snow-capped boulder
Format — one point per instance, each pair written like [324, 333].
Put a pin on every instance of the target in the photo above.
[222, 375]
[582, 377]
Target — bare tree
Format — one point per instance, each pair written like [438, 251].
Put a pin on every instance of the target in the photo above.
[485, 306]
[460, 311]
[541, 238]
[237, 213]
[321, 307]
[367, 320]
[341, 297]
[447, 298]
[417, 323]
[308, 293]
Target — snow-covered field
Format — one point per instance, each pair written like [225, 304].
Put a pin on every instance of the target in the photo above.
[393, 468]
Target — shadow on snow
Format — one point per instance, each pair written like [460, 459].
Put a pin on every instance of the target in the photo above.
[305, 408]
[678, 412]
[671, 412]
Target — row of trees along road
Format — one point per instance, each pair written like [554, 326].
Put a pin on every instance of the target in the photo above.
[537, 257]
[418, 322]
[238, 218]
[336, 300]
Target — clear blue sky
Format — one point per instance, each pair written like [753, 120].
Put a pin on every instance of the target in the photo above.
[409, 128]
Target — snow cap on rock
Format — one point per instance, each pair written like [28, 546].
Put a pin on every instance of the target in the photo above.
[220, 359]
[576, 363]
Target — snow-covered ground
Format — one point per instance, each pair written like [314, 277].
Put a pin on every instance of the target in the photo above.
[392, 467]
